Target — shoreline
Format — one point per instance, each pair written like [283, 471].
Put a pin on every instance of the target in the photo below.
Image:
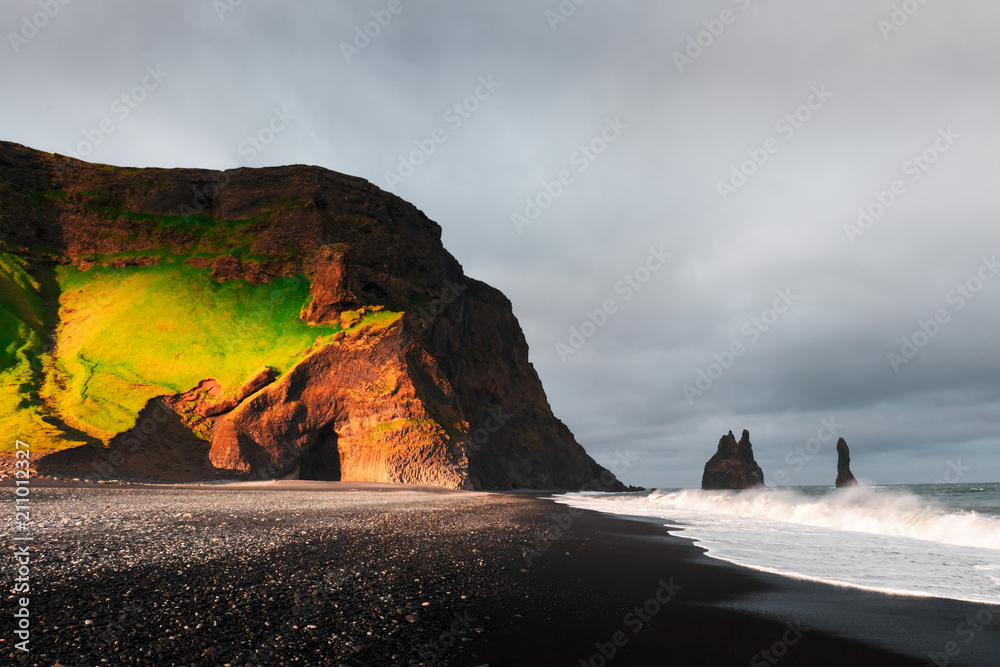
[332, 573]
[862, 626]
[606, 567]
[678, 527]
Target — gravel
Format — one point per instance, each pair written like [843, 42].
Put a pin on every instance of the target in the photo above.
[250, 575]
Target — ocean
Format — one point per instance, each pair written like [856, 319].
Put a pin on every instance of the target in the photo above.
[937, 540]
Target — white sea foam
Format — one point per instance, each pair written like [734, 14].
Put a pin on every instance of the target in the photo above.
[862, 510]
[889, 540]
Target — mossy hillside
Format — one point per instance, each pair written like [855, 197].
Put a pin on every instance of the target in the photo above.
[39, 199]
[128, 334]
[192, 234]
[24, 332]
[22, 314]
[374, 321]
[150, 326]
[151, 234]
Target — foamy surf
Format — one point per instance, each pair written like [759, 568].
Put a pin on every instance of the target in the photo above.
[912, 540]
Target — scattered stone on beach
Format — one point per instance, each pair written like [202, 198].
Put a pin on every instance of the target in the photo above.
[733, 465]
[133, 576]
[845, 478]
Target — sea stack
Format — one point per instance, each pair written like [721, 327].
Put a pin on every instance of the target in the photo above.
[845, 478]
[733, 465]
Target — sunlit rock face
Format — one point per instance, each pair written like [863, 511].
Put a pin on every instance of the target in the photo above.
[286, 321]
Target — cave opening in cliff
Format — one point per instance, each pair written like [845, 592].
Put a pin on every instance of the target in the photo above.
[322, 460]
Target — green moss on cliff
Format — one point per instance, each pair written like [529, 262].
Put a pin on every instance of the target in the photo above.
[124, 335]
[41, 198]
[128, 334]
[26, 319]
[197, 232]
[22, 314]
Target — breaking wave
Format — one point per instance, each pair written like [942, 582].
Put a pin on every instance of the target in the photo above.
[863, 510]
[930, 540]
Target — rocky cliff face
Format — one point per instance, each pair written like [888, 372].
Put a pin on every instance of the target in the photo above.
[733, 466]
[418, 373]
[845, 478]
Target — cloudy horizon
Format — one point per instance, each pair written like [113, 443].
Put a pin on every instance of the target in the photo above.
[708, 217]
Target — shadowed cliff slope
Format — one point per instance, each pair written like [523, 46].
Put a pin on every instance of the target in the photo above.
[186, 324]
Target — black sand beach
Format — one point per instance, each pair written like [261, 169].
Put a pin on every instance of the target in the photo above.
[605, 567]
[314, 573]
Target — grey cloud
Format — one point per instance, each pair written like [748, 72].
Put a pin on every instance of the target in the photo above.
[656, 185]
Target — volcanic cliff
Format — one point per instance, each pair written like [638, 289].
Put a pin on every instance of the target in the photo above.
[289, 321]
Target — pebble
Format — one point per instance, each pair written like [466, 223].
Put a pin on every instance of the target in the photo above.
[341, 579]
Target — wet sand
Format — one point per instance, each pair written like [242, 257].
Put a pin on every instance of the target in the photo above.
[604, 567]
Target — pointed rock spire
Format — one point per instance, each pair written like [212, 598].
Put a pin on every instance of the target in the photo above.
[733, 465]
[844, 476]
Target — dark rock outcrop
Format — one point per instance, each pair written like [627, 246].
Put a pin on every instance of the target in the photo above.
[331, 292]
[733, 465]
[252, 386]
[333, 397]
[160, 447]
[457, 401]
[845, 478]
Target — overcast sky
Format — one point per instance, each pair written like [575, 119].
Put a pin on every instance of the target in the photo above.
[739, 137]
